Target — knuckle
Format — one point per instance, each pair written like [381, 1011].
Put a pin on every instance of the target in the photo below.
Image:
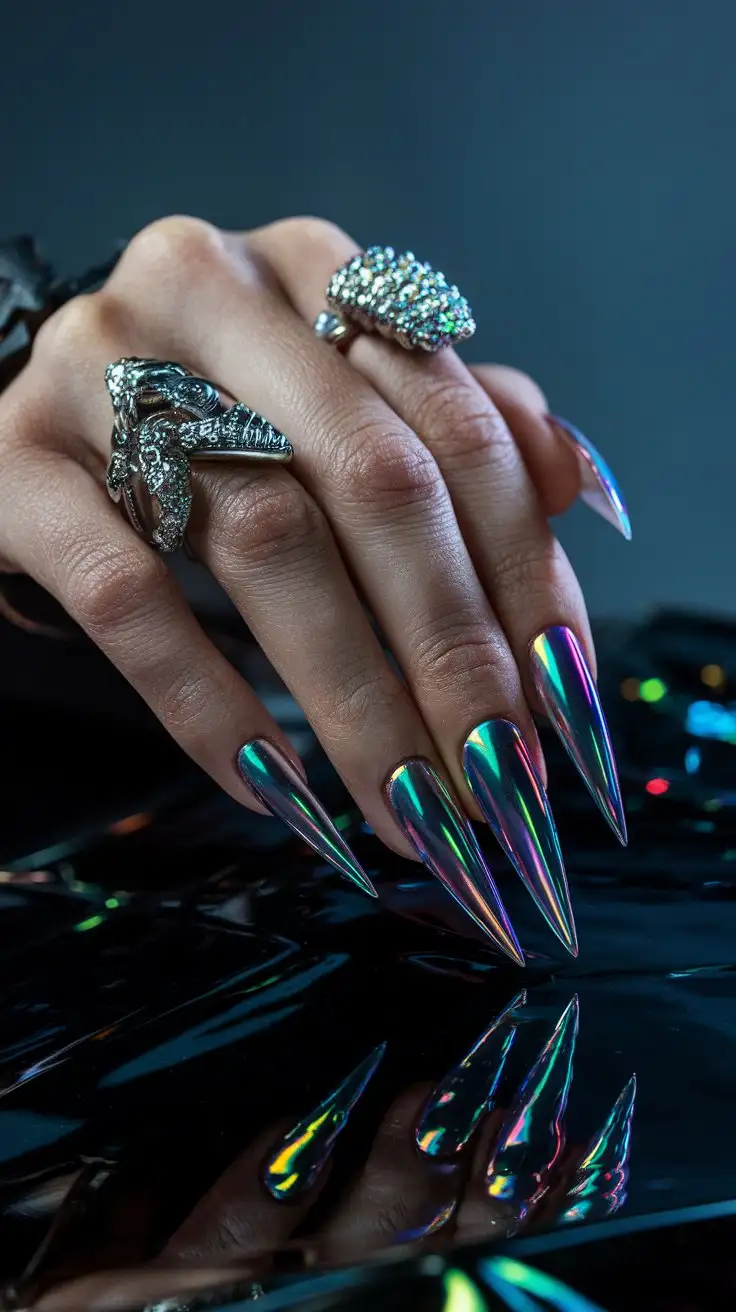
[76, 328]
[362, 696]
[385, 469]
[177, 246]
[535, 567]
[270, 519]
[107, 591]
[309, 230]
[455, 651]
[473, 433]
[185, 705]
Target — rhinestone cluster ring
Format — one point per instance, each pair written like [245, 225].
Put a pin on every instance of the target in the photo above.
[397, 296]
[166, 417]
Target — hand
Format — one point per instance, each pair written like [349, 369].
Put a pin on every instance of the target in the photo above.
[420, 491]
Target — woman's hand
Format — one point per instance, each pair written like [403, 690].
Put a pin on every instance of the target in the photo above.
[419, 488]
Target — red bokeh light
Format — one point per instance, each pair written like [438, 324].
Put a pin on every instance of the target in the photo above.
[656, 787]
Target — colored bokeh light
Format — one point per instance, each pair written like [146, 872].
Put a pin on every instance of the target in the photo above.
[630, 690]
[652, 690]
[713, 676]
[657, 787]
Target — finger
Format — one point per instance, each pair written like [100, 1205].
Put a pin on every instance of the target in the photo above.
[122, 595]
[552, 464]
[237, 1218]
[526, 574]
[398, 1197]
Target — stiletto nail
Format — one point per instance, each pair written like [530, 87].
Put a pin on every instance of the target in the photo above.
[456, 1104]
[531, 1138]
[599, 488]
[447, 845]
[599, 1186]
[294, 1165]
[278, 785]
[506, 785]
[566, 689]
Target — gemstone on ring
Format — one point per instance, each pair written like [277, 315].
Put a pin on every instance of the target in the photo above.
[399, 297]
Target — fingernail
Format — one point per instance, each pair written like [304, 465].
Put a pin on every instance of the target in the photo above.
[568, 693]
[457, 1103]
[279, 786]
[531, 1138]
[599, 1185]
[293, 1167]
[442, 837]
[599, 488]
[506, 785]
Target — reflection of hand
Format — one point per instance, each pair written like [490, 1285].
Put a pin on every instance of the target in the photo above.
[448, 1164]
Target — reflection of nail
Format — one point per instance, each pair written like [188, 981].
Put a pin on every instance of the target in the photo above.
[456, 1104]
[531, 1138]
[294, 1166]
[568, 693]
[599, 488]
[599, 1185]
[279, 786]
[506, 785]
[444, 840]
[436, 1220]
[521, 1286]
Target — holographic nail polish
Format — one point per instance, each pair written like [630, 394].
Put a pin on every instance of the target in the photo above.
[506, 785]
[457, 1103]
[599, 1185]
[566, 689]
[442, 836]
[599, 488]
[294, 1165]
[278, 785]
[531, 1139]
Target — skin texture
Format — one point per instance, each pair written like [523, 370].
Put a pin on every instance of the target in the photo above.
[419, 488]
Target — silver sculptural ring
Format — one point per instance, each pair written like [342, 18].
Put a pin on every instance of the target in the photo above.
[397, 296]
[164, 418]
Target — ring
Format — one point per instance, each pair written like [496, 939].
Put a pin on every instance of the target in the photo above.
[164, 418]
[397, 296]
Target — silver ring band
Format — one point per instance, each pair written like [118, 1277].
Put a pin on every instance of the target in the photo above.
[164, 418]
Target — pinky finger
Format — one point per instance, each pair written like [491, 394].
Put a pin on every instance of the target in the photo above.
[562, 462]
[121, 593]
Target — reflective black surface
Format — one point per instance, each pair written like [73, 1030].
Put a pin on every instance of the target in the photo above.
[186, 991]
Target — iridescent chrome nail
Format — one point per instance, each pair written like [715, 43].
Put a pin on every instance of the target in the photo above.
[599, 1186]
[457, 1103]
[447, 845]
[531, 1138]
[294, 1165]
[278, 785]
[568, 693]
[506, 785]
[599, 488]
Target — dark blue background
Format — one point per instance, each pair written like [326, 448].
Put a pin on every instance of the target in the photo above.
[570, 164]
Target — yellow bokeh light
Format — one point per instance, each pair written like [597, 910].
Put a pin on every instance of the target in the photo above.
[630, 690]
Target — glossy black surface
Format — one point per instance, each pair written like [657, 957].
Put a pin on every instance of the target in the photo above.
[182, 984]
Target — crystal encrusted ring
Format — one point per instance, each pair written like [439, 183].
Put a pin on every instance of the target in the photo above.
[397, 296]
[164, 418]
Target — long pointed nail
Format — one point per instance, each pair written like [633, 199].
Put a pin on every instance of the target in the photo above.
[599, 1185]
[279, 786]
[531, 1138]
[294, 1165]
[599, 488]
[458, 1102]
[506, 785]
[447, 845]
[566, 689]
